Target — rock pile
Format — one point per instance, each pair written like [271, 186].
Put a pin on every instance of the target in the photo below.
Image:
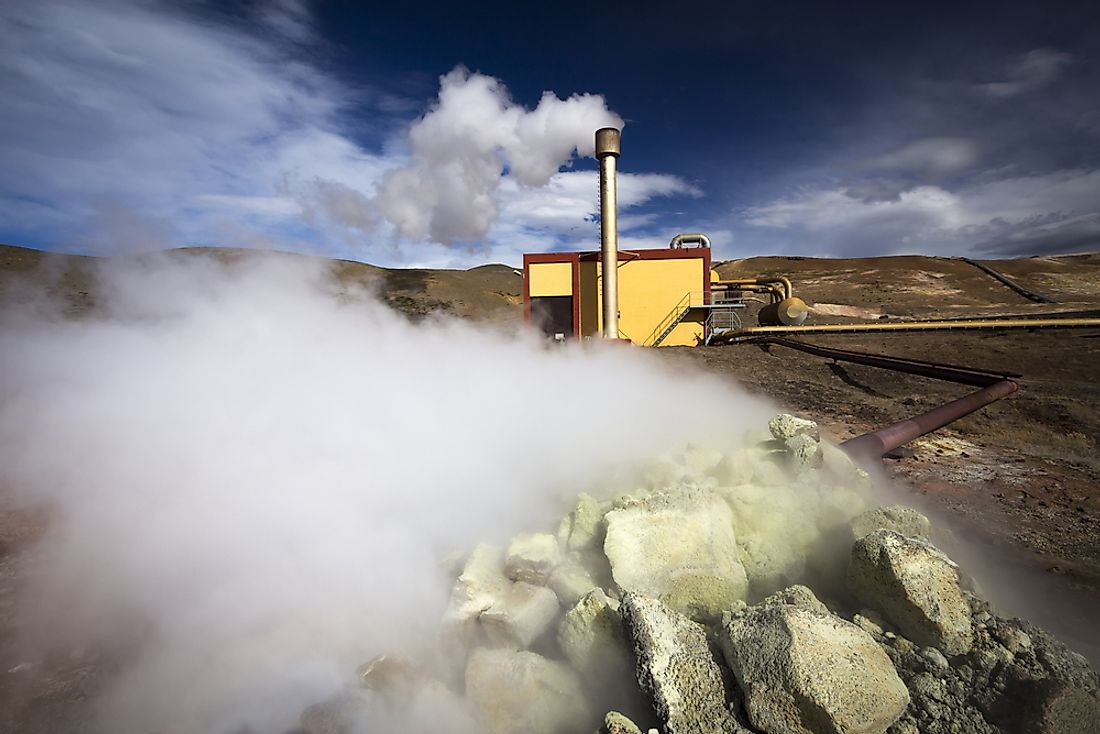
[686, 607]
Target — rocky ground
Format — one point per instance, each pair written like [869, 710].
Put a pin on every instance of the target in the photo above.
[1020, 477]
[681, 607]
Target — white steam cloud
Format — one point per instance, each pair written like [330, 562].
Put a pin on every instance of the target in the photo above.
[149, 124]
[253, 482]
[461, 146]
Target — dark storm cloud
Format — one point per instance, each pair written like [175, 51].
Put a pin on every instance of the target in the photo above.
[1048, 235]
[1035, 69]
[999, 155]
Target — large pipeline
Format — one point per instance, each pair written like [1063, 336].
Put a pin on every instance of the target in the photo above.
[994, 386]
[900, 326]
[936, 370]
[778, 282]
[1025, 292]
[876, 443]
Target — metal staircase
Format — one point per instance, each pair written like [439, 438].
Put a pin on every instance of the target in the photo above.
[672, 325]
[721, 316]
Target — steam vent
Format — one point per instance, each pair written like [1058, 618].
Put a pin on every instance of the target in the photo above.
[756, 589]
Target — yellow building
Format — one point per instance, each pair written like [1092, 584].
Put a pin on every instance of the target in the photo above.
[663, 294]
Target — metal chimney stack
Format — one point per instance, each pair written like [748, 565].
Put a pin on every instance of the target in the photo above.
[607, 151]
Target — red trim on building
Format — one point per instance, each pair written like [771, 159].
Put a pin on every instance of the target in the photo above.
[539, 258]
[667, 253]
[526, 289]
[576, 262]
[576, 258]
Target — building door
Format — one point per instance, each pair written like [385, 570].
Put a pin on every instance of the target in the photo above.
[553, 314]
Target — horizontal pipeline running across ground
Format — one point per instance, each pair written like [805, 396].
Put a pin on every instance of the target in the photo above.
[876, 443]
[903, 326]
[994, 385]
[936, 370]
[1025, 292]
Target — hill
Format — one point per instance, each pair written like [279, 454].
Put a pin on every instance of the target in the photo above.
[488, 292]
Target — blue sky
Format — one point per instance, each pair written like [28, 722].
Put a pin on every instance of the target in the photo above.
[446, 135]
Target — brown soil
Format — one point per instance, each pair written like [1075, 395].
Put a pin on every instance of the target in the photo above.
[1022, 475]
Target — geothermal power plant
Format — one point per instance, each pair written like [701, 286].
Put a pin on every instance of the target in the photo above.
[773, 575]
[626, 295]
[757, 588]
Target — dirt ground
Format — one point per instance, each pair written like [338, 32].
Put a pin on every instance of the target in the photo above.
[1020, 477]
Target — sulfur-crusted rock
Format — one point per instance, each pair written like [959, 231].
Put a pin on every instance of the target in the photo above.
[839, 467]
[591, 636]
[519, 615]
[585, 524]
[531, 557]
[1041, 688]
[481, 583]
[805, 452]
[797, 596]
[915, 586]
[570, 581]
[785, 426]
[678, 547]
[616, 723]
[775, 529]
[677, 668]
[901, 519]
[805, 671]
[521, 692]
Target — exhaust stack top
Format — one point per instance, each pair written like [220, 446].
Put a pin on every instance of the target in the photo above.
[607, 152]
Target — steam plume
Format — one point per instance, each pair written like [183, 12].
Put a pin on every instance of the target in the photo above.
[254, 482]
[461, 146]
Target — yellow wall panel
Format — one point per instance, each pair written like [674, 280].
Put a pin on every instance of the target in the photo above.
[550, 279]
[649, 290]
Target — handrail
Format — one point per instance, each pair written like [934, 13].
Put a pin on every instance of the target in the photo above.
[691, 299]
[672, 315]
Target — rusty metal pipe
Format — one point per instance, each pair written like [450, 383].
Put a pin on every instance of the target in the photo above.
[876, 443]
[936, 370]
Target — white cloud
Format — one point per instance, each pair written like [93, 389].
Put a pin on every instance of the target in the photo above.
[834, 208]
[139, 125]
[1052, 211]
[461, 146]
[1033, 70]
[143, 107]
[934, 157]
[561, 216]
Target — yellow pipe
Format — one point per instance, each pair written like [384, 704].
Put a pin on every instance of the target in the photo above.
[773, 289]
[788, 289]
[920, 326]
